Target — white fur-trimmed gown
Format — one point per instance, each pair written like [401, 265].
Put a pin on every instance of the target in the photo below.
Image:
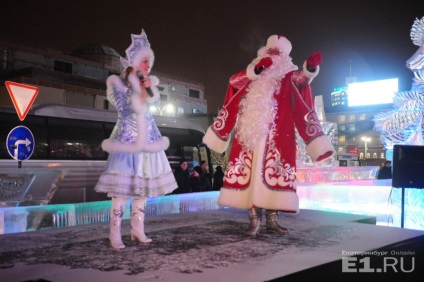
[137, 165]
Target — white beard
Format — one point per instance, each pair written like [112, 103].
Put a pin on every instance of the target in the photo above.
[258, 108]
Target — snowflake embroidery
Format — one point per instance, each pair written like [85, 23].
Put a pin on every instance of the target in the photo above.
[240, 171]
[312, 125]
[276, 172]
[219, 123]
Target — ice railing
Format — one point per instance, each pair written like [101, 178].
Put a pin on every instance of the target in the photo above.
[30, 218]
[374, 198]
[335, 173]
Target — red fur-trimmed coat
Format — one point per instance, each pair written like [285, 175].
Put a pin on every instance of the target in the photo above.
[266, 176]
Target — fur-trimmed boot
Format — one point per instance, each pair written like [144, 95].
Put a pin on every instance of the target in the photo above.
[255, 216]
[272, 222]
[137, 221]
[116, 213]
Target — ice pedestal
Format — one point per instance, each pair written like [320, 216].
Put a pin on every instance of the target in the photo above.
[27, 187]
[366, 197]
[414, 208]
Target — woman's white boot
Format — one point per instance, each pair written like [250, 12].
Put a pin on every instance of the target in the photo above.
[116, 213]
[137, 221]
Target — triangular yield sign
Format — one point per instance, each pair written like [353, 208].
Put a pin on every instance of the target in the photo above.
[22, 97]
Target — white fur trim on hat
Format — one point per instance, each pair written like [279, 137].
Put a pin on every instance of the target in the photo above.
[137, 51]
[142, 54]
[279, 42]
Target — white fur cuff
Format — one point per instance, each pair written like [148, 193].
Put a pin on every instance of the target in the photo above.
[214, 143]
[320, 146]
[250, 72]
[309, 74]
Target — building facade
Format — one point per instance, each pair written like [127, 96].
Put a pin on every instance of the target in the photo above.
[78, 78]
[356, 134]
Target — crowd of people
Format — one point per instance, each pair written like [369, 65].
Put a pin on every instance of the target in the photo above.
[197, 179]
[385, 172]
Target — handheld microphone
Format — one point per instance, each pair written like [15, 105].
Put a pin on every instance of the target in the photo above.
[140, 76]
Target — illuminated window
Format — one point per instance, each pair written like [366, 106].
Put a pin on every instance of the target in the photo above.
[382, 156]
[352, 118]
[362, 117]
[342, 138]
[342, 118]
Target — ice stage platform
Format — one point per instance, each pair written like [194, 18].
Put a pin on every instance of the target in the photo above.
[374, 198]
[210, 246]
[196, 240]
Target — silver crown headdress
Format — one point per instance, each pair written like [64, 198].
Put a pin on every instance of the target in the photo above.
[139, 49]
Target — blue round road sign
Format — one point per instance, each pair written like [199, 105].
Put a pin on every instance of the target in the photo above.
[20, 143]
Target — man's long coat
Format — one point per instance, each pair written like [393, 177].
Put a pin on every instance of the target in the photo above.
[266, 177]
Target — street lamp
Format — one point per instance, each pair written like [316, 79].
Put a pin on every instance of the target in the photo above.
[366, 139]
[168, 108]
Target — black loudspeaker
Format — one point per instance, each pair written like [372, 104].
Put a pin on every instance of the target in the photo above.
[408, 166]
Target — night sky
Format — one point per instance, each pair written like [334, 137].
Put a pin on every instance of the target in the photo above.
[207, 41]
